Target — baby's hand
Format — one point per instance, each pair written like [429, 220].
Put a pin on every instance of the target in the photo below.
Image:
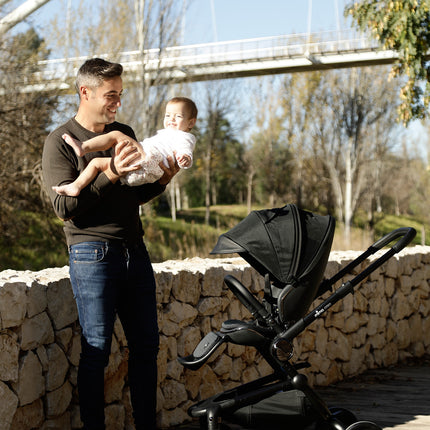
[184, 160]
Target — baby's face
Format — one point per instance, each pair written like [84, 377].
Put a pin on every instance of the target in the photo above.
[177, 117]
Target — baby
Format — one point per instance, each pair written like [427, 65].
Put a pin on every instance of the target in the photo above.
[174, 140]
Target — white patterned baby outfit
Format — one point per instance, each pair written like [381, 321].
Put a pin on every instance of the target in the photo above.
[157, 148]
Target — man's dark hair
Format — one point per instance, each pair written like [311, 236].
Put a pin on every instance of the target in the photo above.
[96, 70]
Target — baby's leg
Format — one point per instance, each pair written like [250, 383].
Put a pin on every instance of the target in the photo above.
[97, 143]
[95, 166]
[75, 144]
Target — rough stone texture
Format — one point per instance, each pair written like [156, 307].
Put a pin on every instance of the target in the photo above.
[9, 356]
[8, 405]
[31, 383]
[36, 331]
[386, 320]
[13, 304]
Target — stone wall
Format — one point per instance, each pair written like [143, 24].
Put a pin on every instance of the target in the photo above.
[384, 322]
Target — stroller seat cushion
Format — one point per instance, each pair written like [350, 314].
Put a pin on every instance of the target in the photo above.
[246, 333]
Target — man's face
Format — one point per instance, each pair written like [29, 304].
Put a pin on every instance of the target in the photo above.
[104, 101]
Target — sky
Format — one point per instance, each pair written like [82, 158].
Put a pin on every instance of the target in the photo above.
[222, 20]
[245, 19]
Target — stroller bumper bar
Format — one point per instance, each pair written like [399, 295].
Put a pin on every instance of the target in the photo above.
[203, 351]
[233, 331]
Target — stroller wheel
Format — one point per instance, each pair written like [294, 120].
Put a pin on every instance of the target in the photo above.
[364, 425]
[342, 419]
[345, 416]
[219, 426]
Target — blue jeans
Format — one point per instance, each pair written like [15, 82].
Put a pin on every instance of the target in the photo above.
[110, 279]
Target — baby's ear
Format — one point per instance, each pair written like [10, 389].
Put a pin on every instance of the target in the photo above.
[192, 123]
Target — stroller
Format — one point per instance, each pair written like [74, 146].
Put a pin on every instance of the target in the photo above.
[289, 248]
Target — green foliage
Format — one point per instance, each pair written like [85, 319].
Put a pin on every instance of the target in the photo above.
[391, 222]
[40, 244]
[384, 223]
[25, 117]
[189, 236]
[218, 162]
[167, 239]
[403, 26]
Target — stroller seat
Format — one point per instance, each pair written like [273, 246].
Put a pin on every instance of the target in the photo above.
[289, 248]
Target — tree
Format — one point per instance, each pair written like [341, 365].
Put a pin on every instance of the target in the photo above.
[403, 26]
[17, 15]
[269, 157]
[157, 24]
[349, 107]
[298, 96]
[25, 116]
[217, 176]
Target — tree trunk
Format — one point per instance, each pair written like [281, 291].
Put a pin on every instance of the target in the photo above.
[172, 199]
[208, 187]
[249, 189]
[19, 14]
[348, 194]
[178, 196]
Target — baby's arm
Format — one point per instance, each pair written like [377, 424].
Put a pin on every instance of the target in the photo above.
[183, 146]
[183, 151]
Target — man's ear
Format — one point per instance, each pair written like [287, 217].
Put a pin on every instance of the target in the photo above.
[84, 92]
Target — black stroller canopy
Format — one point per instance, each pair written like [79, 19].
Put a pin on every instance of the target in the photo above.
[285, 243]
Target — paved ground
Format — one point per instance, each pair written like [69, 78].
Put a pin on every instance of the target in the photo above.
[394, 398]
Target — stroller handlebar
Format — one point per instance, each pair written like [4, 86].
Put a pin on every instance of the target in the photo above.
[407, 234]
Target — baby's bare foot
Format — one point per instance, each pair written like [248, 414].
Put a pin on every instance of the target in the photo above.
[75, 144]
[67, 190]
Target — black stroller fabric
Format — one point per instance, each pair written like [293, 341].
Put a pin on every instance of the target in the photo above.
[289, 245]
[273, 413]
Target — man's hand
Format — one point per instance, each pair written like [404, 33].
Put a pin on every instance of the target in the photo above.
[169, 172]
[123, 161]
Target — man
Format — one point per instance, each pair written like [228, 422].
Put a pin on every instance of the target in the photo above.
[110, 270]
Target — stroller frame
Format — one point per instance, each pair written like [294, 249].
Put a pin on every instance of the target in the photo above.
[272, 335]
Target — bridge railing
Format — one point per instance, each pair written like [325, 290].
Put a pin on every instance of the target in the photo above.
[286, 46]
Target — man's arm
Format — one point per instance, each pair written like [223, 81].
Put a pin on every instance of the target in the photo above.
[61, 166]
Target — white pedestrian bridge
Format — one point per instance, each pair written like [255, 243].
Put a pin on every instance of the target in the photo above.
[231, 59]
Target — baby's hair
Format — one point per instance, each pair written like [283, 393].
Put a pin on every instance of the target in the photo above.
[191, 106]
[95, 71]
